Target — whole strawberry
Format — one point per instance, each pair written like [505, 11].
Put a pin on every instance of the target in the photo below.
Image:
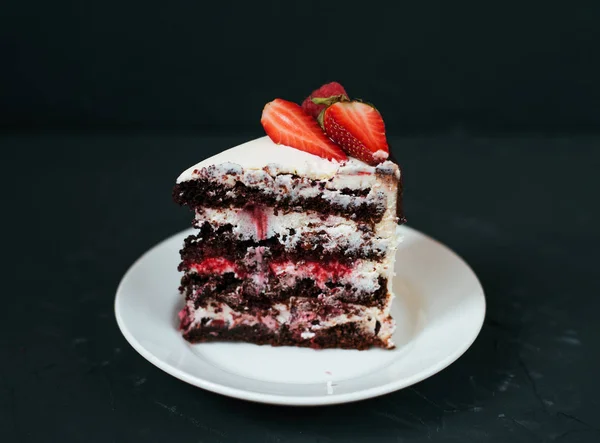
[357, 128]
[332, 91]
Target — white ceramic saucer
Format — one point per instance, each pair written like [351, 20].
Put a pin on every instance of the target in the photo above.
[439, 309]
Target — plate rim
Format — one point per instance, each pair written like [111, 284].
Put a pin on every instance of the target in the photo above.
[286, 400]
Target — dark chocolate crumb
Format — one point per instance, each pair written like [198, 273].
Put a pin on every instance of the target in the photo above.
[346, 336]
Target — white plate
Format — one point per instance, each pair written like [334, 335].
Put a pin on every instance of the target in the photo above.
[439, 309]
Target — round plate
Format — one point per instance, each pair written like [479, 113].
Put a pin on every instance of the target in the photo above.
[439, 309]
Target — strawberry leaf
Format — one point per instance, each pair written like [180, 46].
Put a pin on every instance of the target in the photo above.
[328, 101]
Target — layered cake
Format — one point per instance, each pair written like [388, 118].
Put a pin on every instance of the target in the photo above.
[295, 239]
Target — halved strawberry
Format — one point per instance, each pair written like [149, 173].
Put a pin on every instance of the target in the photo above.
[287, 124]
[330, 91]
[358, 129]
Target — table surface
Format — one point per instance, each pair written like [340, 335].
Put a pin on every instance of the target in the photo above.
[520, 210]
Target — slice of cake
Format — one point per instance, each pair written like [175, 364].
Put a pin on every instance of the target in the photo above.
[295, 242]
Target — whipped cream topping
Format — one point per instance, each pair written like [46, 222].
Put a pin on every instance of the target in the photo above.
[263, 154]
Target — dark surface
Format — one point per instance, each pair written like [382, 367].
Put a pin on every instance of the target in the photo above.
[181, 64]
[79, 210]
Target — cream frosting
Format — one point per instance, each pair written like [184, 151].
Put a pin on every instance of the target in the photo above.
[262, 153]
[363, 275]
[364, 317]
[331, 232]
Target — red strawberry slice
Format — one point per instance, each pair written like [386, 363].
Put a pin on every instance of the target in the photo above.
[358, 129]
[333, 89]
[287, 124]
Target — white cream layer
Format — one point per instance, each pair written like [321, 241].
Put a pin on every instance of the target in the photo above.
[331, 232]
[364, 274]
[366, 319]
[262, 153]
[285, 186]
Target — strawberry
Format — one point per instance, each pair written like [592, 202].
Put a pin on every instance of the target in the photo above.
[287, 124]
[358, 129]
[331, 90]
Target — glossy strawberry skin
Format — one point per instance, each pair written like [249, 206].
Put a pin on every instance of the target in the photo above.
[358, 129]
[332, 89]
[287, 124]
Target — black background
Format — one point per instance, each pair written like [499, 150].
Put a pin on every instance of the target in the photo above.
[428, 66]
[492, 109]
